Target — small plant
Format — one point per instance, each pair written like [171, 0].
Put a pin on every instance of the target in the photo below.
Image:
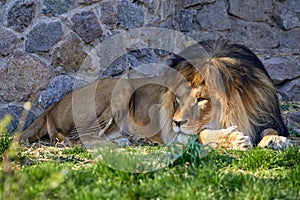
[5, 138]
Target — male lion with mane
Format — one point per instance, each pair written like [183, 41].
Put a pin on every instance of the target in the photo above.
[221, 91]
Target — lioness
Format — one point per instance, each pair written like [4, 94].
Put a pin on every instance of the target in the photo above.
[224, 94]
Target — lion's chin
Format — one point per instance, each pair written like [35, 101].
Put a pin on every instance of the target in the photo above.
[185, 131]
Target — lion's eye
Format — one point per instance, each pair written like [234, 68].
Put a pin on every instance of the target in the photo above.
[199, 99]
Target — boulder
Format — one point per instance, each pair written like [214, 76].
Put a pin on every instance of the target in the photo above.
[56, 90]
[22, 76]
[290, 91]
[56, 7]
[190, 3]
[20, 15]
[16, 112]
[8, 41]
[282, 69]
[254, 10]
[185, 19]
[69, 55]
[43, 36]
[86, 25]
[218, 17]
[130, 15]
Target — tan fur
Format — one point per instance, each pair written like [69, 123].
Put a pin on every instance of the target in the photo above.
[228, 87]
[241, 94]
[107, 109]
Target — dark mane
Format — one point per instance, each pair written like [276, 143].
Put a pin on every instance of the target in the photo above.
[238, 81]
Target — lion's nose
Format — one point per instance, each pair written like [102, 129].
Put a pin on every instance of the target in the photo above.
[179, 122]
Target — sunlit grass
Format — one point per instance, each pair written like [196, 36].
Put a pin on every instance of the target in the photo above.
[71, 173]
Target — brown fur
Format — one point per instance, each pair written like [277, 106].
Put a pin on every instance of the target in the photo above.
[241, 92]
[224, 93]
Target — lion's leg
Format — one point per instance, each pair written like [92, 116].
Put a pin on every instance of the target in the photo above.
[271, 139]
[226, 138]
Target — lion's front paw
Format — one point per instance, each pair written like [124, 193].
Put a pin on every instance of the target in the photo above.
[231, 139]
[275, 142]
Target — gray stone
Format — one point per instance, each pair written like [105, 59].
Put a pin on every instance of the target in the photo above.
[218, 17]
[287, 19]
[87, 2]
[205, 35]
[20, 15]
[69, 56]
[290, 91]
[295, 116]
[56, 7]
[253, 34]
[86, 25]
[294, 121]
[290, 39]
[22, 76]
[43, 36]
[8, 41]
[141, 56]
[190, 3]
[116, 68]
[157, 12]
[254, 10]
[281, 69]
[130, 15]
[185, 19]
[57, 89]
[108, 14]
[16, 112]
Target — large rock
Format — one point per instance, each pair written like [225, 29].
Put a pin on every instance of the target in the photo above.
[69, 55]
[22, 76]
[141, 56]
[57, 89]
[56, 7]
[43, 36]
[87, 2]
[254, 10]
[253, 34]
[8, 41]
[157, 11]
[185, 19]
[20, 15]
[108, 14]
[287, 14]
[287, 19]
[86, 25]
[16, 112]
[190, 3]
[294, 121]
[218, 17]
[205, 35]
[282, 69]
[117, 67]
[290, 39]
[130, 15]
[290, 91]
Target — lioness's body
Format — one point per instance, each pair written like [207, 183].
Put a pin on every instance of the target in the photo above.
[94, 101]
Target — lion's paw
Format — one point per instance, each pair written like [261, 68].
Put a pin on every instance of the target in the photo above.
[275, 142]
[231, 139]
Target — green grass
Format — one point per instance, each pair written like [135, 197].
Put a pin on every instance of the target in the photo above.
[72, 174]
[42, 172]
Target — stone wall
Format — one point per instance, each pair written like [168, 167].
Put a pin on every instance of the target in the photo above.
[43, 43]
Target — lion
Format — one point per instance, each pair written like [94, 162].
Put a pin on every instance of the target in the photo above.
[231, 100]
[219, 91]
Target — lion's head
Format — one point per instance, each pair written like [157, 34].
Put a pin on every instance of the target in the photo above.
[188, 105]
[220, 85]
